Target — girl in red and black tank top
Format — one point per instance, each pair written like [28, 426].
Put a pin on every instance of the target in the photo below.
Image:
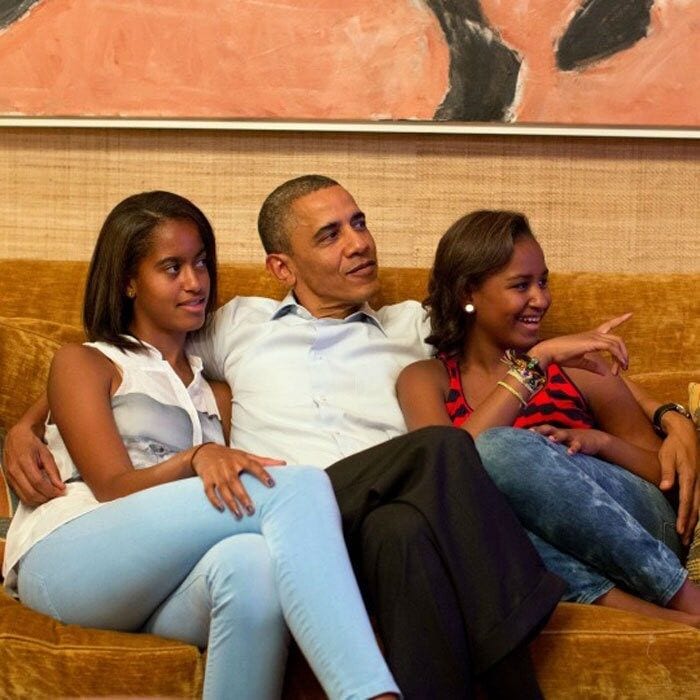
[488, 295]
[558, 403]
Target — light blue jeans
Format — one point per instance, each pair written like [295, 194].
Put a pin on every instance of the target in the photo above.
[593, 523]
[165, 560]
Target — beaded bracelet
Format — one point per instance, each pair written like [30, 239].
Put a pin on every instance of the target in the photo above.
[526, 370]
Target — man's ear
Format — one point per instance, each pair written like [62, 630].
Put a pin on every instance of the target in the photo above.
[281, 267]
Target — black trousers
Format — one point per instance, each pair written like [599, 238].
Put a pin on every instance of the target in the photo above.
[446, 569]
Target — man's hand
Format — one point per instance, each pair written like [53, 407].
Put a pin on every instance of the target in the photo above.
[678, 456]
[30, 467]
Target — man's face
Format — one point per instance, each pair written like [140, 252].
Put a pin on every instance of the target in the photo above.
[333, 259]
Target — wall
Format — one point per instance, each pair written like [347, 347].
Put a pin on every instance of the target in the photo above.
[597, 204]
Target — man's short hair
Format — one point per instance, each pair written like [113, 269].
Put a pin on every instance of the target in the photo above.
[274, 217]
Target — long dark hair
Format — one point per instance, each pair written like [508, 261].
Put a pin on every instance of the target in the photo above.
[475, 247]
[124, 240]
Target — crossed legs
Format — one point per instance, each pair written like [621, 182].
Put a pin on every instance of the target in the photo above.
[113, 567]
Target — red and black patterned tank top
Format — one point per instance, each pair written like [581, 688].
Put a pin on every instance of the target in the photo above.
[559, 403]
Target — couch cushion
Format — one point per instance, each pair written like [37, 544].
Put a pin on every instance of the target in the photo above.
[44, 288]
[666, 385]
[28, 345]
[694, 401]
[693, 561]
[585, 651]
[79, 662]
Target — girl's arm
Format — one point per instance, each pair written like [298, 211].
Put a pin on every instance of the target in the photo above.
[626, 436]
[421, 389]
[81, 383]
[503, 403]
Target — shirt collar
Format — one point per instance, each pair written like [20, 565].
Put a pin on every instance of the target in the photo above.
[152, 352]
[289, 305]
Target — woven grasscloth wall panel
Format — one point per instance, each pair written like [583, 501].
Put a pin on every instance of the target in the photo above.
[597, 204]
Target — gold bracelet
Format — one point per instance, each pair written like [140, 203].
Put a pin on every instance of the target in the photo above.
[514, 392]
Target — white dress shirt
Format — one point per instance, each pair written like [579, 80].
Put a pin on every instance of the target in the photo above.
[309, 390]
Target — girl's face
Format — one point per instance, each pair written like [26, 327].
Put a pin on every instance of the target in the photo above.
[171, 286]
[510, 305]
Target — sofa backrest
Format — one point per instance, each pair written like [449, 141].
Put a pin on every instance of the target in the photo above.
[662, 336]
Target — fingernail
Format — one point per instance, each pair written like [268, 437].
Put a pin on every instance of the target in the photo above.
[250, 510]
[270, 481]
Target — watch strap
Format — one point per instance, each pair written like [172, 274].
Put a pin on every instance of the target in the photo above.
[662, 410]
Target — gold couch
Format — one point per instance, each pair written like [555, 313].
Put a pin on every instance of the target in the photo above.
[584, 651]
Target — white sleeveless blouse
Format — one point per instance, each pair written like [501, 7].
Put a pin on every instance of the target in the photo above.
[157, 416]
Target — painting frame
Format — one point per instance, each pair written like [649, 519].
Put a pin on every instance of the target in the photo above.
[491, 74]
[408, 127]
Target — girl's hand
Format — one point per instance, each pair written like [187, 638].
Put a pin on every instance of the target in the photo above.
[220, 469]
[587, 441]
[575, 350]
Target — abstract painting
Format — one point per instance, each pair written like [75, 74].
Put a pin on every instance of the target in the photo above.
[560, 62]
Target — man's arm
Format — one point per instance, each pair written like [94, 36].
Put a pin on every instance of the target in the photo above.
[29, 465]
[678, 456]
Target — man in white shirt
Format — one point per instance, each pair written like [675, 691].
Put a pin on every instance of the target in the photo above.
[442, 561]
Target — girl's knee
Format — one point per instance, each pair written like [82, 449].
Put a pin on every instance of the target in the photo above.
[499, 444]
[241, 580]
[509, 454]
[310, 481]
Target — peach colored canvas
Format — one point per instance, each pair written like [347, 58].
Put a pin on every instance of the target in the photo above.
[240, 58]
[655, 82]
[324, 59]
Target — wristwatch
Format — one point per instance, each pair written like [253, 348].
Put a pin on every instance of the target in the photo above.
[662, 410]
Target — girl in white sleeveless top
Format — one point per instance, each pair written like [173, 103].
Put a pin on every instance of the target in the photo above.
[162, 527]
